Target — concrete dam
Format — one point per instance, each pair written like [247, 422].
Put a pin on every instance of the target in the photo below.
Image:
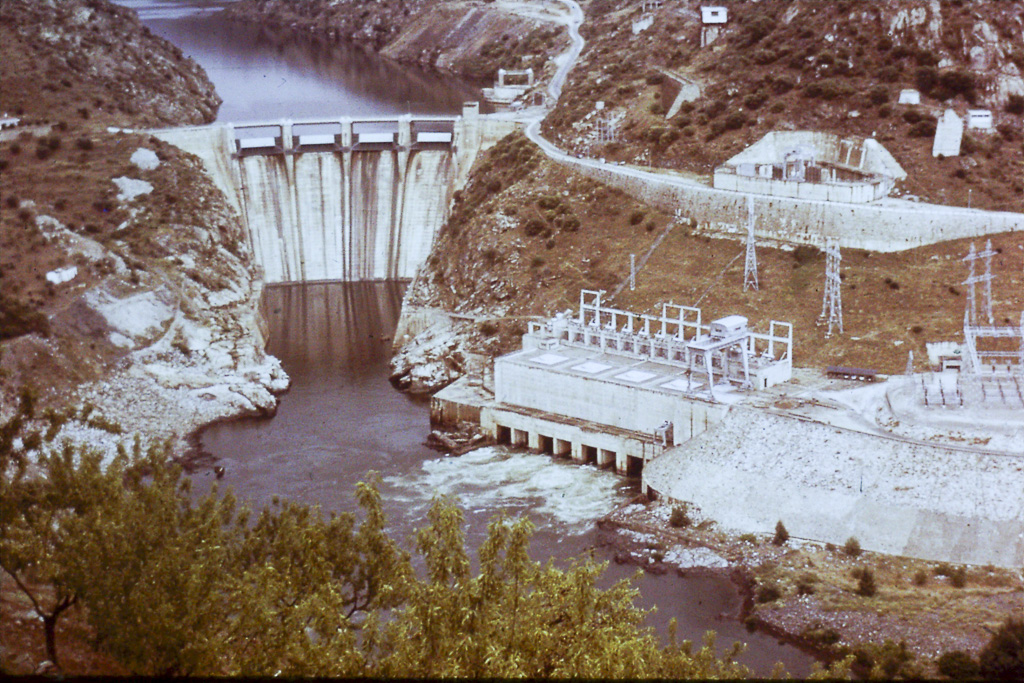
[349, 200]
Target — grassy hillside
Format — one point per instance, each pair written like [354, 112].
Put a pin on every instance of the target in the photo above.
[807, 65]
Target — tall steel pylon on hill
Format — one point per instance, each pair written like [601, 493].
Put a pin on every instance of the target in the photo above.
[971, 314]
[750, 267]
[832, 300]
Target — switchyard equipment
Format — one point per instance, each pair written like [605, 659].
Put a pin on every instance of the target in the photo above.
[677, 339]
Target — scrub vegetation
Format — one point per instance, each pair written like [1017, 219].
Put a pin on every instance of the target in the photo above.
[894, 616]
[836, 67]
[160, 582]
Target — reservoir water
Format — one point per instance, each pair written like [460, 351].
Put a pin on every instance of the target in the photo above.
[341, 419]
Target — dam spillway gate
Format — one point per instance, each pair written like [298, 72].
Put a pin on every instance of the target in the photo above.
[345, 199]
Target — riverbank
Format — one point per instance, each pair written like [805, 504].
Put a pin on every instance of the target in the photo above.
[806, 594]
[472, 40]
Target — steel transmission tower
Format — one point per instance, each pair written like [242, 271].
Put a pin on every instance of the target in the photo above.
[832, 300]
[971, 314]
[750, 267]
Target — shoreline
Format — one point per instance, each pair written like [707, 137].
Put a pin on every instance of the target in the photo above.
[826, 618]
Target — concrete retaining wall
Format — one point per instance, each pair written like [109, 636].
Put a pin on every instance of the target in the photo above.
[858, 193]
[886, 226]
[829, 484]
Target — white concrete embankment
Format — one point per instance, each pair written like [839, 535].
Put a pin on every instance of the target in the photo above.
[828, 484]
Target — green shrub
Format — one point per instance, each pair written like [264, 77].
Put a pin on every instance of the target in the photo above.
[782, 85]
[656, 108]
[925, 78]
[569, 224]
[805, 585]
[17, 319]
[748, 538]
[637, 217]
[828, 89]
[549, 202]
[866, 584]
[958, 579]
[1008, 130]
[680, 516]
[822, 635]
[923, 129]
[956, 82]
[735, 120]
[804, 253]
[767, 592]
[852, 546]
[1003, 657]
[781, 535]
[755, 100]
[958, 665]
[889, 74]
[920, 577]
[534, 227]
[912, 116]
[878, 95]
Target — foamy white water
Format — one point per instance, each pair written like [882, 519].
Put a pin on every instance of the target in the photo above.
[489, 480]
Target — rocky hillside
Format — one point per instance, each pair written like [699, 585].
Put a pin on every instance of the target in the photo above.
[470, 38]
[126, 284]
[526, 235]
[92, 61]
[801, 64]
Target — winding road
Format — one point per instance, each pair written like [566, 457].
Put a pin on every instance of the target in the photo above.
[532, 119]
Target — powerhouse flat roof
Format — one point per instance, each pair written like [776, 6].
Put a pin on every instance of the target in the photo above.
[617, 369]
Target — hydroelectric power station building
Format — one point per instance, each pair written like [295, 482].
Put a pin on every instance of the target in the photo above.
[615, 388]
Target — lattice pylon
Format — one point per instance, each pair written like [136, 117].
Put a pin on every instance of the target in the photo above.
[973, 279]
[750, 267]
[832, 299]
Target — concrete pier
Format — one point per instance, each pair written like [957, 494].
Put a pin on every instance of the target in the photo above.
[582, 441]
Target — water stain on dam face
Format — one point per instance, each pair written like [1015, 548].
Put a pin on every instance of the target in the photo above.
[361, 215]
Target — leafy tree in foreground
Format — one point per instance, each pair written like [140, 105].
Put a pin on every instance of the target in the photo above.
[178, 584]
[35, 539]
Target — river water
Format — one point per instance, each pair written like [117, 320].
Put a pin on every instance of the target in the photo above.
[341, 419]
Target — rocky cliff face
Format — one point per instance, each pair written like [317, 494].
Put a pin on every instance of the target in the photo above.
[92, 61]
[127, 290]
